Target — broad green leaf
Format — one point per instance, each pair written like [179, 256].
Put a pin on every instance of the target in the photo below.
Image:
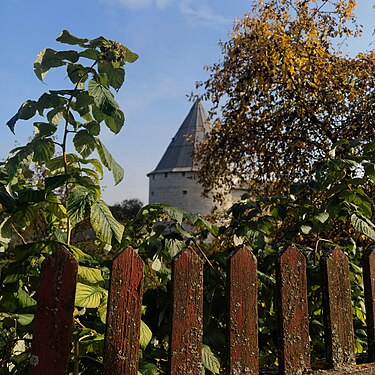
[114, 122]
[92, 127]
[306, 229]
[44, 129]
[103, 98]
[362, 226]
[78, 253]
[130, 56]
[90, 275]
[109, 162]
[370, 171]
[88, 295]
[54, 182]
[46, 59]
[104, 224]
[116, 76]
[148, 369]
[24, 299]
[5, 231]
[71, 56]
[77, 73]
[26, 215]
[175, 213]
[78, 203]
[54, 206]
[322, 217]
[90, 53]
[25, 319]
[84, 143]
[95, 163]
[67, 38]
[44, 149]
[145, 335]
[102, 311]
[25, 112]
[55, 116]
[209, 360]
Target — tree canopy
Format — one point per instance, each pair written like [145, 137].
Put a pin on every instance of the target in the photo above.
[284, 94]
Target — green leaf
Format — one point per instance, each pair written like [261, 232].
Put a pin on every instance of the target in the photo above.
[362, 226]
[55, 116]
[130, 56]
[92, 127]
[90, 53]
[78, 73]
[44, 129]
[175, 213]
[90, 275]
[116, 76]
[102, 311]
[54, 206]
[25, 112]
[145, 335]
[71, 56]
[306, 229]
[322, 217]
[25, 319]
[5, 231]
[78, 203]
[88, 295]
[84, 143]
[67, 38]
[46, 59]
[209, 360]
[109, 162]
[104, 224]
[103, 98]
[148, 369]
[78, 253]
[114, 122]
[95, 163]
[24, 299]
[44, 149]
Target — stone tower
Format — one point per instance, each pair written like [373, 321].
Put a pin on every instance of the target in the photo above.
[173, 180]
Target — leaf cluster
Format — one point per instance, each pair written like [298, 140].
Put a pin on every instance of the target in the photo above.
[283, 94]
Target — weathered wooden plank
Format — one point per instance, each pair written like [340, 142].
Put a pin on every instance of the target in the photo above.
[187, 314]
[124, 315]
[369, 284]
[337, 308]
[243, 312]
[53, 320]
[292, 311]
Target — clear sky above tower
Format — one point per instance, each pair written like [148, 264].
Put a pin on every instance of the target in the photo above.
[175, 40]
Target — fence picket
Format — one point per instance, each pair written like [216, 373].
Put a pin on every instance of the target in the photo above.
[292, 309]
[243, 312]
[124, 314]
[369, 284]
[187, 314]
[337, 308]
[53, 320]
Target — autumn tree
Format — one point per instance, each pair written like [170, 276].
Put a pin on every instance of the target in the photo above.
[284, 94]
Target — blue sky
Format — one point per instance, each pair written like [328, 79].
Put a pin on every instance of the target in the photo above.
[175, 40]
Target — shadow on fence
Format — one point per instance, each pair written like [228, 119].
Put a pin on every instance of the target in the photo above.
[54, 314]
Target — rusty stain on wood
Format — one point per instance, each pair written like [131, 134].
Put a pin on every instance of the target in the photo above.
[337, 308]
[369, 285]
[292, 311]
[53, 320]
[243, 312]
[187, 314]
[124, 314]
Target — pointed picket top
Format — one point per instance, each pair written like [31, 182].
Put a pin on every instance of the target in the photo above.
[292, 311]
[53, 320]
[369, 286]
[337, 308]
[124, 314]
[187, 313]
[243, 312]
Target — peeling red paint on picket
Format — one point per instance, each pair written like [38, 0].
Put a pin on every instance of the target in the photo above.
[292, 309]
[187, 314]
[337, 308]
[53, 320]
[369, 284]
[124, 314]
[243, 312]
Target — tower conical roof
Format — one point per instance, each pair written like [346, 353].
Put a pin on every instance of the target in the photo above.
[179, 155]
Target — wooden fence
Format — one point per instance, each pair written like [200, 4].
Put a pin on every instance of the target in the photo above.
[51, 344]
